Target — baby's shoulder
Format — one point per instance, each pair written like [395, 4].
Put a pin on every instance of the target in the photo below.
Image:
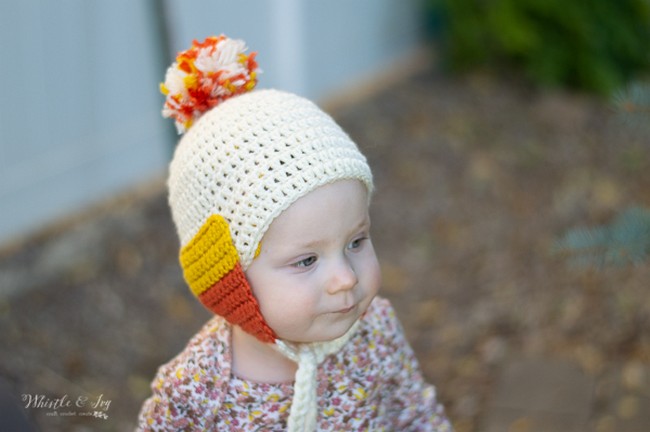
[187, 389]
[381, 327]
[381, 315]
[207, 354]
[375, 348]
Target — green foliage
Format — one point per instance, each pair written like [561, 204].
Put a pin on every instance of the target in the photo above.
[595, 45]
[625, 240]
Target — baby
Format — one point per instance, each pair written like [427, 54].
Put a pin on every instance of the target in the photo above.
[270, 200]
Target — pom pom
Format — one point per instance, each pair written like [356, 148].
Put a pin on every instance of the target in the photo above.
[204, 76]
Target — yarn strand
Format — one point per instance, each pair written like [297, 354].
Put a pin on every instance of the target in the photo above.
[303, 414]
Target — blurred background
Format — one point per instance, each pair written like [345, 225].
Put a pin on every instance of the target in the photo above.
[508, 140]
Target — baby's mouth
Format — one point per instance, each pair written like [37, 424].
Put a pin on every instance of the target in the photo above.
[346, 310]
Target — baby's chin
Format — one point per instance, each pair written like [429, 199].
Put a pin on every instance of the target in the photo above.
[330, 336]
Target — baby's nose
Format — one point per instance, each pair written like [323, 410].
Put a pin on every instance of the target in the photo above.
[343, 277]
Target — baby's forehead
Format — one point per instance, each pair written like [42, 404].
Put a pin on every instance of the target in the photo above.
[335, 209]
[330, 197]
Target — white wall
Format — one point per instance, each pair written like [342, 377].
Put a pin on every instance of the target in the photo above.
[347, 41]
[80, 108]
[310, 47]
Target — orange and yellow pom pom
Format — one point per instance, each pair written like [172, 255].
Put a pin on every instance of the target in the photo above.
[204, 76]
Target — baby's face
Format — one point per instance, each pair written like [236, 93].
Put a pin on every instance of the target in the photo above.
[317, 271]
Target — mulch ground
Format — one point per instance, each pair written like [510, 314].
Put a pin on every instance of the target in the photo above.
[476, 179]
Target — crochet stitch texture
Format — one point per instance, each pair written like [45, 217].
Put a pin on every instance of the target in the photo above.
[252, 156]
[211, 256]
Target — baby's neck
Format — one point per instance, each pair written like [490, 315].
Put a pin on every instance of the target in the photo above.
[254, 360]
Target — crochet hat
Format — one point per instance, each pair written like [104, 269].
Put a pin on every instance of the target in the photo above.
[242, 161]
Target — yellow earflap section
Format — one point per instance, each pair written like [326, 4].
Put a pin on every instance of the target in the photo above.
[209, 256]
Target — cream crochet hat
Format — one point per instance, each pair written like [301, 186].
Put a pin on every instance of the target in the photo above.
[244, 161]
[250, 158]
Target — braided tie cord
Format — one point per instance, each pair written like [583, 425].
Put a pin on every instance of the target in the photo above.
[304, 407]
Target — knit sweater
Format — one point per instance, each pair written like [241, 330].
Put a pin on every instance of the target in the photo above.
[372, 384]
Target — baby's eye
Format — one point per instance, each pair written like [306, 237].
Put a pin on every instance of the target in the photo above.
[356, 244]
[307, 262]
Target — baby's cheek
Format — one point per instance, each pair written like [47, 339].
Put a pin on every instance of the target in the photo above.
[291, 316]
[290, 306]
[373, 275]
[377, 280]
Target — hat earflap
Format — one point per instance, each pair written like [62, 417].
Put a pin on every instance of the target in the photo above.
[212, 269]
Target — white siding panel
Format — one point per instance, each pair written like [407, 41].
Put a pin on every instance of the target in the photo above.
[349, 40]
[311, 47]
[79, 118]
